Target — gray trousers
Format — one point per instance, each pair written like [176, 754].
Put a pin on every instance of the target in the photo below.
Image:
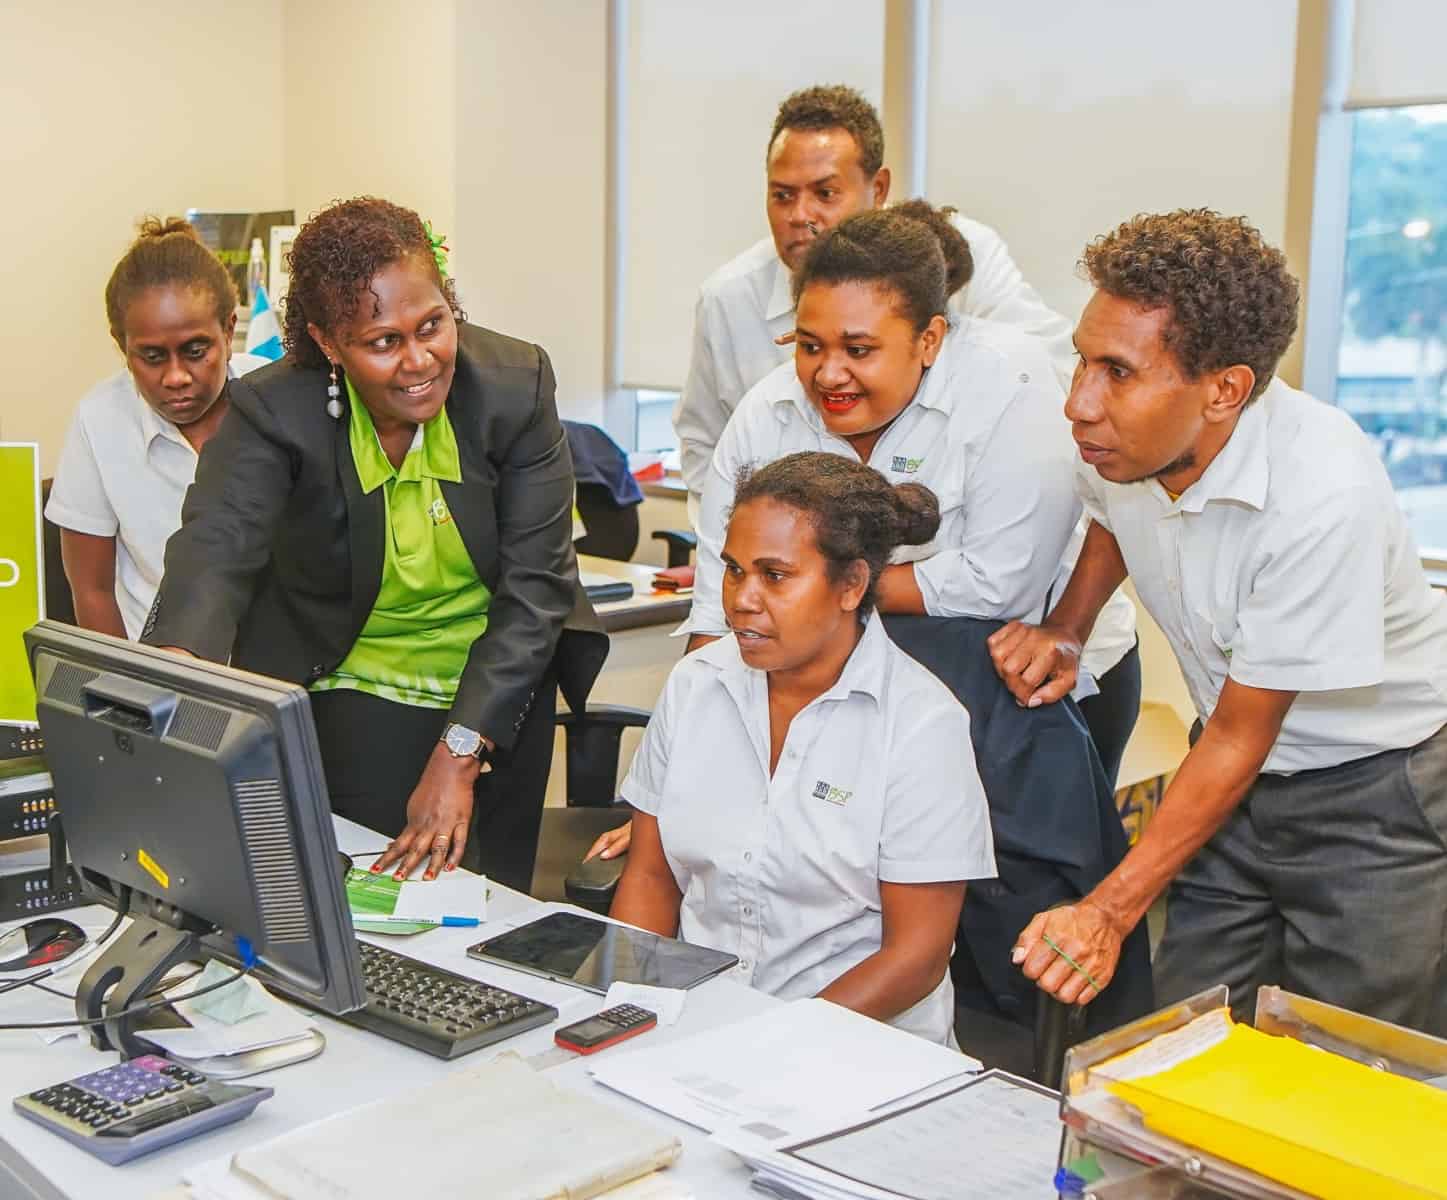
[1331, 884]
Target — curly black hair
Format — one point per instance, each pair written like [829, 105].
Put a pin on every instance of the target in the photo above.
[913, 249]
[1230, 296]
[855, 511]
[334, 258]
[166, 253]
[834, 106]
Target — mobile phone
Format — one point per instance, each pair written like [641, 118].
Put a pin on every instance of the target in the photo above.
[605, 1029]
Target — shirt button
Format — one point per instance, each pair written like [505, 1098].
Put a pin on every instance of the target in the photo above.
[743, 964]
[748, 856]
[748, 912]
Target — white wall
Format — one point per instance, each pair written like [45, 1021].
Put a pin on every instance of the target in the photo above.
[369, 104]
[1054, 121]
[704, 84]
[109, 116]
[531, 161]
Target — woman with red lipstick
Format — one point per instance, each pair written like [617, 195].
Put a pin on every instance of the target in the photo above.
[386, 517]
[884, 375]
[806, 793]
[131, 450]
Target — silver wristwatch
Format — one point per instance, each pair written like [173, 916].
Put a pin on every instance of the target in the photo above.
[462, 742]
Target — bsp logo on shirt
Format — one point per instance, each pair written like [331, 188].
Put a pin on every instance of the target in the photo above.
[826, 791]
[906, 466]
[437, 510]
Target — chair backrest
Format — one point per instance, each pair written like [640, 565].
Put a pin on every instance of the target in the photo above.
[593, 742]
[612, 532]
[59, 602]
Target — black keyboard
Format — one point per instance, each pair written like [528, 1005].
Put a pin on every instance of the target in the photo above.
[439, 1011]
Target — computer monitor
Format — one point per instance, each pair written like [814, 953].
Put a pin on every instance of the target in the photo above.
[192, 797]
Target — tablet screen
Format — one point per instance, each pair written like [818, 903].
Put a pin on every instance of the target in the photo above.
[594, 954]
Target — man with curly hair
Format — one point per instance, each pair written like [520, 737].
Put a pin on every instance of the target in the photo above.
[1303, 841]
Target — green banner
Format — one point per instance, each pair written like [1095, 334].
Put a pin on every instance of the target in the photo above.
[22, 588]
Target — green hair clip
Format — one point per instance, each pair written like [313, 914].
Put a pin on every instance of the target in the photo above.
[439, 249]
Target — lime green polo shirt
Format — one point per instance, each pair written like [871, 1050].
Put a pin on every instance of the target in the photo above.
[431, 605]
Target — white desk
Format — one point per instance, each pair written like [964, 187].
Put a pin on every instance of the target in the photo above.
[356, 1067]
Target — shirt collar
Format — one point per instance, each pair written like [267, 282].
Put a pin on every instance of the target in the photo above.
[1240, 471]
[935, 389]
[863, 672]
[433, 453]
[781, 296]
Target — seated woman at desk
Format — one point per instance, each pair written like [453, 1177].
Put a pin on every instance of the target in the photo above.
[386, 517]
[806, 793]
[131, 450]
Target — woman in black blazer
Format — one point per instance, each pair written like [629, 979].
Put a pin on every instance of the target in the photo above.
[385, 516]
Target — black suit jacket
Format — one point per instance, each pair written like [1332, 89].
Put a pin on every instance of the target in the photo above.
[1057, 830]
[278, 560]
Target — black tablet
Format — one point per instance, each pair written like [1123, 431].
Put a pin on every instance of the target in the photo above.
[594, 954]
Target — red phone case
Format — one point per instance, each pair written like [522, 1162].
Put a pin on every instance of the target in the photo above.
[623, 1036]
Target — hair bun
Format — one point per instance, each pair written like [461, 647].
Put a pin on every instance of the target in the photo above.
[156, 227]
[959, 262]
[917, 514]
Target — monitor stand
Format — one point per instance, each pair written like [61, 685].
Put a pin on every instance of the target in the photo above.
[132, 968]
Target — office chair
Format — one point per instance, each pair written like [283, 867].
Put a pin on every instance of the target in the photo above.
[59, 602]
[681, 544]
[593, 740]
[607, 494]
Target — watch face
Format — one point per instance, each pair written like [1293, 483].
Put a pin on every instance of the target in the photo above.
[462, 741]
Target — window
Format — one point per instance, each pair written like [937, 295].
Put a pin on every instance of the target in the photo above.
[1392, 357]
[655, 421]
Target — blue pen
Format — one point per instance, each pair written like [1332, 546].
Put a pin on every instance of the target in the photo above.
[463, 922]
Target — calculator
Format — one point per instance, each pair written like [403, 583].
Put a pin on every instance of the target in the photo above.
[605, 1029]
[121, 1112]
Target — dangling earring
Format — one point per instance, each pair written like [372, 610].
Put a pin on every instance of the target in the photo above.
[334, 404]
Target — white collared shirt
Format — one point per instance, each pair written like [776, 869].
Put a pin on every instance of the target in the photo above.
[876, 783]
[1288, 565]
[746, 304]
[123, 473]
[986, 432]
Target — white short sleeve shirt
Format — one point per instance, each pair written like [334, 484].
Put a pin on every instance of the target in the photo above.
[746, 304]
[1288, 565]
[986, 432]
[123, 473]
[876, 782]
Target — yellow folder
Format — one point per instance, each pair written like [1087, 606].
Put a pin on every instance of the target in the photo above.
[1314, 1121]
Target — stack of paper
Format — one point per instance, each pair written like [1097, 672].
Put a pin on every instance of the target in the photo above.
[520, 1138]
[784, 1070]
[1010, 1126]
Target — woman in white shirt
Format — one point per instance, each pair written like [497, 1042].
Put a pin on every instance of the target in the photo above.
[883, 374]
[132, 447]
[806, 793]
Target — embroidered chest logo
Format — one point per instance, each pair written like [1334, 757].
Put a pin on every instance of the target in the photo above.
[437, 510]
[825, 791]
[907, 466]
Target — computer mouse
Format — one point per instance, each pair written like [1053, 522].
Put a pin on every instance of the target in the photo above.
[39, 943]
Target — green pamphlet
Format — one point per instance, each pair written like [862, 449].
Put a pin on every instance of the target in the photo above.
[376, 896]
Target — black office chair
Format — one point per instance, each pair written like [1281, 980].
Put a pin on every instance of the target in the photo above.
[59, 602]
[681, 544]
[612, 531]
[608, 495]
[593, 741]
